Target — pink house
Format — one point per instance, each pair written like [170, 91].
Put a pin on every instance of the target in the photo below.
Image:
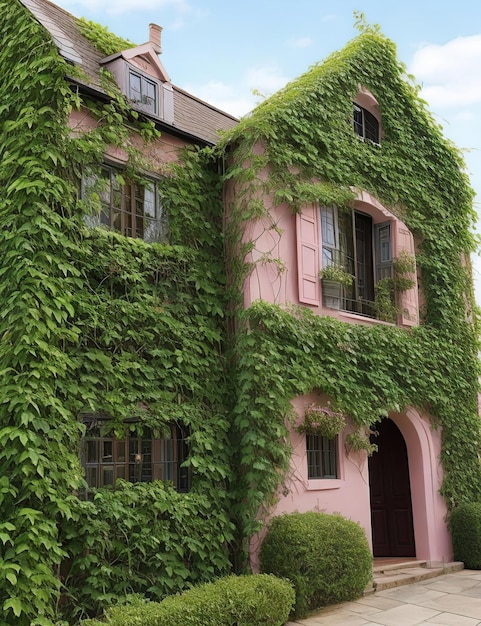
[395, 493]
[341, 198]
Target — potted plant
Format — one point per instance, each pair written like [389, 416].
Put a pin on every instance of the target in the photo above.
[336, 274]
[322, 421]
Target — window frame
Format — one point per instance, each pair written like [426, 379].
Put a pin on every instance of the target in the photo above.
[325, 448]
[135, 458]
[145, 102]
[366, 124]
[118, 201]
[340, 297]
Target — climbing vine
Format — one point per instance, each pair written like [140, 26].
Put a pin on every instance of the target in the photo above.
[94, 322]
[297, 147]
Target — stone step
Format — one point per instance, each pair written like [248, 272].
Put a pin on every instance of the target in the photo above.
[394, 575]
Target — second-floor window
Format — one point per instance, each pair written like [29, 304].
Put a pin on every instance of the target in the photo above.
[365, 124]
[143, 92]
[130, 208]
[361, 249]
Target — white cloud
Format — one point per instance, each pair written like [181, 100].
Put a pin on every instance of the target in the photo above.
[232, 97]
[449, 74]
[302, 42]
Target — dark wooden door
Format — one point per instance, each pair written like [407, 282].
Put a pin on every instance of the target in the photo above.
[391, 507]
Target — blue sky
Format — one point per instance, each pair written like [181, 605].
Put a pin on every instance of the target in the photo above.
[223, 51]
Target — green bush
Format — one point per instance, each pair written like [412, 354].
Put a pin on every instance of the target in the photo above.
[143, 538]
[256, 600]
[466, 530]
[326, 557]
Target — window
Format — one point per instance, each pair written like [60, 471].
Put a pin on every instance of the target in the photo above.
[143, 92]
[365, 124]
[128, 208]
[321, 456]
[363, 249]
[135, 458]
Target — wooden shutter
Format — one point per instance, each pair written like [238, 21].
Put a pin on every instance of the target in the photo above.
[307, 223]
[408, 299]
[167, 103]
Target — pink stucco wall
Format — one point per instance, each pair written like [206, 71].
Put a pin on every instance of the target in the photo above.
[275, 278]
[161, 151]
[349, 494]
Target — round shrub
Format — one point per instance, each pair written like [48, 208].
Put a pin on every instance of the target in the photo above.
[466, 531]
[256, 600]
[326, 557]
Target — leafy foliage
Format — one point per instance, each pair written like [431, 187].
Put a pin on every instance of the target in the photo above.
[256, 600]
[102, 38]
[326, 557]
[465, 522]
[93, 321]
[297, 147]
[140, 538]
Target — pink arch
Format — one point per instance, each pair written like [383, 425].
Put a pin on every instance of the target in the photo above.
[433, 540]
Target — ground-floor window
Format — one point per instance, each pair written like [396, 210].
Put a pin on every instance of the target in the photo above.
[321, 456]
[136, 458]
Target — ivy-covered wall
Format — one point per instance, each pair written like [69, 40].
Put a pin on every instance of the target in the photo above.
[299, 147]
[93, 321]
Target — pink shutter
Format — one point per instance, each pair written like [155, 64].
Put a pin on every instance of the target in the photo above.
[307, 223]
[408, 299]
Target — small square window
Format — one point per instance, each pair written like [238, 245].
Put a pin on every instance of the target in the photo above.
[321, 456]
[143, 92]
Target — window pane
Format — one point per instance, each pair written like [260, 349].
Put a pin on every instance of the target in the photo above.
[149, 201]
[107, 450]
[328, 227]
[150, 93]
[92, 454]
[91, 477]
[107, 475]
[134, 87]
[321, 456]
[384, 234]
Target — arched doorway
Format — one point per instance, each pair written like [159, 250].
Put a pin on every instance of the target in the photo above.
[390, 494]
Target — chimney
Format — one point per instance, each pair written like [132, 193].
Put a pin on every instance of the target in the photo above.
[154, 37]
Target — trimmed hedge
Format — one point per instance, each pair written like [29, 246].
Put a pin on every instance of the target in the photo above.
[256, 600]
[466, 531]
[326, 557]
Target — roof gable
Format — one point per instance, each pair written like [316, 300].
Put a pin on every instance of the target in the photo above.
[193, 118]
[145, 57]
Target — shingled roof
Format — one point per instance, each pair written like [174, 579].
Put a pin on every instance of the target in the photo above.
[193, 118]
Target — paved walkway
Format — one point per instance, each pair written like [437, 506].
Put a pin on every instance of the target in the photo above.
[448, 600]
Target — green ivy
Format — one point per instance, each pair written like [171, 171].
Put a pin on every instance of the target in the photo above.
[92, 321]
[312, 154]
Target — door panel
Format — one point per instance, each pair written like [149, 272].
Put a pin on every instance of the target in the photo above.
[391, 507]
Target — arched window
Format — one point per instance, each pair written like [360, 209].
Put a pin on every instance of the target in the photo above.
[367, 116]
[365, 124]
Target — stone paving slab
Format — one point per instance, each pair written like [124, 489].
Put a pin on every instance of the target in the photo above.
[448, 600]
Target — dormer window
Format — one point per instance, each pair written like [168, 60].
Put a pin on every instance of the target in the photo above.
[143, 92]
[365, 124]
[142, 78]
